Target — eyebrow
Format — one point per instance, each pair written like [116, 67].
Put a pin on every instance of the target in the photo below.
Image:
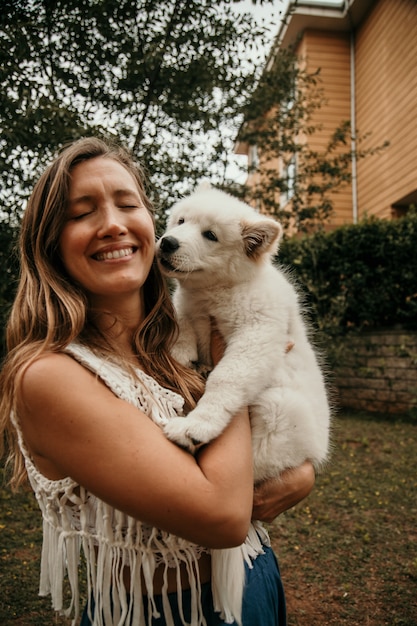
[79, 199]
[117, 194]
[127, 192]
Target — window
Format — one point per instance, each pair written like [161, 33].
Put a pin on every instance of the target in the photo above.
[289, 174]
[253, 158]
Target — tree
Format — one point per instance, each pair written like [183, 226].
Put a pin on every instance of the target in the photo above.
[8, 272]
[279, 122]
[165, 77]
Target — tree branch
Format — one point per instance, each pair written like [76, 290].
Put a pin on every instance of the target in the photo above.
[151, 91]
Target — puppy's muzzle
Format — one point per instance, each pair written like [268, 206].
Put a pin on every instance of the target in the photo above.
[169, 244]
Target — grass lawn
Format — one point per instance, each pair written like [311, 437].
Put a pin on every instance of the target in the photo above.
[347, 553]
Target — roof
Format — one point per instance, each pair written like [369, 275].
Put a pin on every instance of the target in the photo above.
[334, 15]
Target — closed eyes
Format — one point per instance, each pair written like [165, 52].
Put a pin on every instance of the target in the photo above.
[79, 216]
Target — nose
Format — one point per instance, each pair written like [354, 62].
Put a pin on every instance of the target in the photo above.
[111, 223]
[169, 244]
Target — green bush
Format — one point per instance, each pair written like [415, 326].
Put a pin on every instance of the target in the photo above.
[358, 276]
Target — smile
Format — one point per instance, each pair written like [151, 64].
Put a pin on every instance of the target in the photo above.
[113, 254]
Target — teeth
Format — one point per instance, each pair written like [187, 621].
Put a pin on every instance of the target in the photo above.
[114, 254]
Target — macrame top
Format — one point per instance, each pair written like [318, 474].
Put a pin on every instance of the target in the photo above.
[73, 519]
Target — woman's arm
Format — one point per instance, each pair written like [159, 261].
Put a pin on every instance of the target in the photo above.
[75, 426]
[273, 497]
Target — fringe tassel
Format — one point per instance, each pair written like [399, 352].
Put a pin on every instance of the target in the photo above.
[106, 558]
[228, 573]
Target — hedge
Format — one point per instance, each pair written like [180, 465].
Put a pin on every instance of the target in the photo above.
[358, 276]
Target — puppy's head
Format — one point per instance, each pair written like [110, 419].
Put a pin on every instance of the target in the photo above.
[213, 238]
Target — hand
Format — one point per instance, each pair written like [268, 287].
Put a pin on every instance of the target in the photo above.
[273, 497]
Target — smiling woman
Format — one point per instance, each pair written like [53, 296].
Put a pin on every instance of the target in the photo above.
[87, 386]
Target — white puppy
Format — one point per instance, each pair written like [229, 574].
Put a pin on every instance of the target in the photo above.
[220, 252]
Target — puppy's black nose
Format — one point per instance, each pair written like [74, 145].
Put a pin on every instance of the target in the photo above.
[169, 244]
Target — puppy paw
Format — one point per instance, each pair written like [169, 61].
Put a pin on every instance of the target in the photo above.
[179, 430]
[185, 354]
[193, 431]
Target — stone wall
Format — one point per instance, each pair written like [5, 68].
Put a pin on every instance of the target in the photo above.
[376, 371]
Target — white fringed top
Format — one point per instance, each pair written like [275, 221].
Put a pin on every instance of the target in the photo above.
[73, 519]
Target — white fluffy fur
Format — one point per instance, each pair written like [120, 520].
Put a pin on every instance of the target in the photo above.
[220, 251]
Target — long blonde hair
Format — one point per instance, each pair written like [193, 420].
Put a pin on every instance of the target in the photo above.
[50, 310]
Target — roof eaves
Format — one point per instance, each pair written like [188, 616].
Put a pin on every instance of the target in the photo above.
[301, 16]
[336, 15]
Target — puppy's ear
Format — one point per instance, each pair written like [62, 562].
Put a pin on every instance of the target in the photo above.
[261, 237]
[204, 185]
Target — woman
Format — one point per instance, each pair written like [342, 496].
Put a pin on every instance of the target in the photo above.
[86, 388]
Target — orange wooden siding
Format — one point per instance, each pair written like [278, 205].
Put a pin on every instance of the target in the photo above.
[330, 52]
[385, 98]
[386, 104]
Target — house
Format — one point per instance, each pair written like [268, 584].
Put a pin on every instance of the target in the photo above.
[367, 54]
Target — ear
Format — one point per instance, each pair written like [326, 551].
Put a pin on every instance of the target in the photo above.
[261, 237]
[204, 185]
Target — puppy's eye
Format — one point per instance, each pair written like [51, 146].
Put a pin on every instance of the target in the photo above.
[181, 220]
[208, 234]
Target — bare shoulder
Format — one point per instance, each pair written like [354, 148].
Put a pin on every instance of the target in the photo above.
[54, 401]
[58, 381]
[50, 369]
[56, 391]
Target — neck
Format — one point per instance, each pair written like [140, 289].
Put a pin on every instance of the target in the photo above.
[119, 320]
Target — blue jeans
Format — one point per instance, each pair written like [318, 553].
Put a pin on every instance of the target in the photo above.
[263, 599]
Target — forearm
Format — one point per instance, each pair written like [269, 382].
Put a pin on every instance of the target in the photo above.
[227, 465]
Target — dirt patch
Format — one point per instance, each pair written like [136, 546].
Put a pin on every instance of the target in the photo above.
[348, 553]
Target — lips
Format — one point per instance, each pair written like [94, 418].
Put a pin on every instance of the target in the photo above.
[114, 254]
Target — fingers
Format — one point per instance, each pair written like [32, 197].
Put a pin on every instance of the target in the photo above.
[274, 496]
